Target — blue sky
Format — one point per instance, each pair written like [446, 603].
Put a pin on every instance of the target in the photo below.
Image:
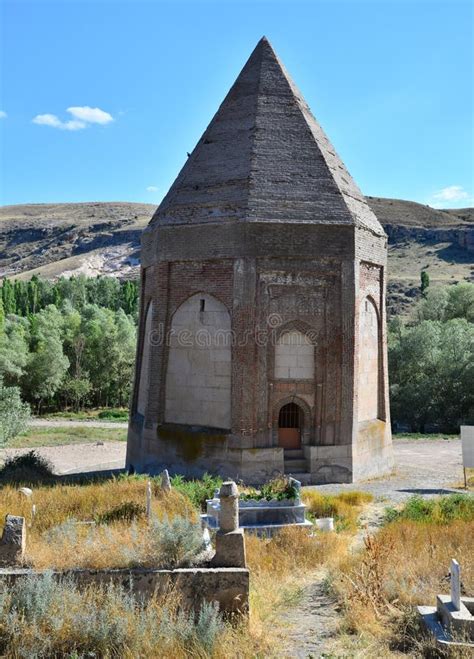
[101, 100]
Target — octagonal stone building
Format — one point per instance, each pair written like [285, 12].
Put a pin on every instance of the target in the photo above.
[262, 334]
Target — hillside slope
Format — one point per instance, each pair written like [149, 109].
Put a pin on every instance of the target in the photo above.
[104, 238]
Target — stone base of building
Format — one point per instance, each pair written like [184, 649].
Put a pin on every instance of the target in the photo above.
[193, 452]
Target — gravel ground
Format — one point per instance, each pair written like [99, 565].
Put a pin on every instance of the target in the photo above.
[424, 466]
[79, 458]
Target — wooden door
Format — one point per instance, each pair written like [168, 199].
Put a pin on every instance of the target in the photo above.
[289, 426]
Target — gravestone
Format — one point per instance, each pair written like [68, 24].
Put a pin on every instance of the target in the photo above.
[455, 584]
[230, 541]
[165, 481]
[13, 541]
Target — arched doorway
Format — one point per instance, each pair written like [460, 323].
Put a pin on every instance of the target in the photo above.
[289, 426]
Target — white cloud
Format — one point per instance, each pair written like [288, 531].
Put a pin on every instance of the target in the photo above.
[90, 115]
[451, 193]
[152, 188]
[3, 115]
[53, 121]
[82, 117]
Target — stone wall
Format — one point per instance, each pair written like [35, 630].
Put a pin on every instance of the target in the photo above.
[229, 587]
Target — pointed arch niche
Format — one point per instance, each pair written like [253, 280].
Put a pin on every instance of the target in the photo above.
[198, 377]
[369, 361]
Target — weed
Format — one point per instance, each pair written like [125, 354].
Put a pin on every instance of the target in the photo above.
[27, 469]
[439, 510]
[42, 616]
[126, 512]
[197, 490]
[344, 507]
[176, 542]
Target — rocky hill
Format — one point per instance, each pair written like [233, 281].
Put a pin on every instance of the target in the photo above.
[104, 238]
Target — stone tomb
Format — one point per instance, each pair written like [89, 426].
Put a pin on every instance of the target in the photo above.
[259, 516]
[262, 344]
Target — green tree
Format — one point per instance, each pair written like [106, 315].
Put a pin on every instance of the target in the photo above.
[425, 282]
[14, 413]
[13, 349]
[433, 306]
[47, 364]
[8, 297]
[461, 301]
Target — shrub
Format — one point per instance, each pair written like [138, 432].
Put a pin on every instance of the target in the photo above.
[27, 469]
[114, 414]
[177, 541]
[439, 510]
[343, 507]
[197, 490]
[14, 413]
[44, 617]
[278, 488]
[126, 511]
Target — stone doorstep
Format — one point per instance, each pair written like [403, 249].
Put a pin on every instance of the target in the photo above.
[461, 621]
[429, 616]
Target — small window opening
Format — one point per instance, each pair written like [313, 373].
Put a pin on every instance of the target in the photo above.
[202, 304]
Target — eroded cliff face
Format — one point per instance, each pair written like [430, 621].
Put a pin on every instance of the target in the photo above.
[104, 238]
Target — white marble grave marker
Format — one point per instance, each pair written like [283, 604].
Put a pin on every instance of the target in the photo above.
[456, 584]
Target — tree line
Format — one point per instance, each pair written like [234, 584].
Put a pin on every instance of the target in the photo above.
[24, 298]
[431, 361]
[69, 343]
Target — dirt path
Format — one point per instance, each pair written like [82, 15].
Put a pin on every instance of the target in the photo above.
[307, 629]
[425, 467]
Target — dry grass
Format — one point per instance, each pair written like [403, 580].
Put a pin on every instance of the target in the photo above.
[344, 507]
[405, 564]
[56, 540]
[58, 620]
[280, 569]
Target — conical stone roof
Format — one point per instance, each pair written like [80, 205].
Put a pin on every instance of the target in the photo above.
[264, 158]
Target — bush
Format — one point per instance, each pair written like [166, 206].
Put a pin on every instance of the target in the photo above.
[176, 542]
[27, 469]
[126, 511]
[44, 617]
[197, 490]
[278, 488]
[113, 414]
[439, 510]
[343, 507]
[14, 413]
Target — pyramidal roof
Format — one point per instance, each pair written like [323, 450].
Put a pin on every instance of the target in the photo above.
[264, 158]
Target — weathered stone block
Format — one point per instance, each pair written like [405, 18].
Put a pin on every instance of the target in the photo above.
[13, 541]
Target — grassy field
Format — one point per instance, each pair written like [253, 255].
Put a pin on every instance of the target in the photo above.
[109, 414]
[420, 435]
[405, 564]
[120, 536]
[36, 437]
[102, 524]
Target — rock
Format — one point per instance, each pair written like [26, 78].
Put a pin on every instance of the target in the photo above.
[13, 541]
